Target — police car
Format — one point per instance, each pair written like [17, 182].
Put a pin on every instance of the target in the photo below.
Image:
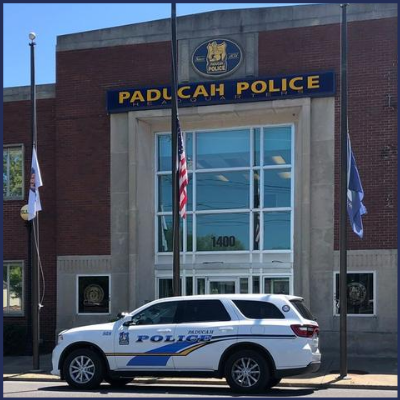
[252, 340]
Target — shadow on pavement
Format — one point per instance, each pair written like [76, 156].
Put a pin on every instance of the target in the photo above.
[147, 390]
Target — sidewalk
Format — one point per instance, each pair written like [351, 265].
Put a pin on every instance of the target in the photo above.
[363, 372]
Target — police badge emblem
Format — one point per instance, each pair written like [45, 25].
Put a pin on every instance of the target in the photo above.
[124, 338]
[217, 57]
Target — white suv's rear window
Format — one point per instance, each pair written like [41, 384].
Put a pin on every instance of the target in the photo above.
[302, 309]
[258, 309]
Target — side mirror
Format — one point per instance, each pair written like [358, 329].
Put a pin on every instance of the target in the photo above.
[122, 314]
[128, 323]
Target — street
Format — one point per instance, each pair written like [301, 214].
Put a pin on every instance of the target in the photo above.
[61, 389]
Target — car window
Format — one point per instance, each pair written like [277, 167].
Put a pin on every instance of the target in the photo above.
[258, 309]
[202, 311]
[162, 313]
[303, 310]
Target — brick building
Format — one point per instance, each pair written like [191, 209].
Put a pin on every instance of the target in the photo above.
[264, 169]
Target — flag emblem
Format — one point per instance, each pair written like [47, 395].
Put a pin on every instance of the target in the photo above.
[183, 176]
[34, 184]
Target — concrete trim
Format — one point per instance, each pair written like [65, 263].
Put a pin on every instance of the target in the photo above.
[368, 259]
[225, 22]
[20, 93]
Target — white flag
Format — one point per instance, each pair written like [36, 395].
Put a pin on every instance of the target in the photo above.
[34, 184]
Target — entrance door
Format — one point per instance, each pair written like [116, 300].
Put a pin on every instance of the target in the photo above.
[217, 285]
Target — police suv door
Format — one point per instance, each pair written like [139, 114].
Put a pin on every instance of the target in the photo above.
[146, 344]
[205, 328]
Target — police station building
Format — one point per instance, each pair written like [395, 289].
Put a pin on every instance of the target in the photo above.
[259, 108]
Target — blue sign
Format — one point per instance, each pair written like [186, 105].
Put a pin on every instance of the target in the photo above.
[223, 92]
[216, 58]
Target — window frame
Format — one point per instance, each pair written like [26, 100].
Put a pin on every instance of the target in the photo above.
[250, 212]
[375, 297]
[22, 148]
[77, 293]
[7, 264]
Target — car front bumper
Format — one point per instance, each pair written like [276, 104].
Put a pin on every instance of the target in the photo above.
[55, 357]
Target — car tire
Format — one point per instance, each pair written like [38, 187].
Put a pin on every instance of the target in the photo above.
[247, 371]
[84, 369]
[273, 382]
[118, 382]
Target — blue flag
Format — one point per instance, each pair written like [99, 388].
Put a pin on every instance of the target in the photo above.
[355, 193]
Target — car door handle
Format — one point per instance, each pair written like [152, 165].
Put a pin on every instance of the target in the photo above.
[164, 330]
[226, 328]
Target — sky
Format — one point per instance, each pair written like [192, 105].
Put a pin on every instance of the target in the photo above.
[49, 20]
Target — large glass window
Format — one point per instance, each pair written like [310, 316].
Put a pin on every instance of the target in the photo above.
[223, 149]
[223, 190]
[13, 288]
[222, 232]
[277, 145]
[12, 173]
[240, 192]
[360, 293]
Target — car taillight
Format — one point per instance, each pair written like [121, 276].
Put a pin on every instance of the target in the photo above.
[306, 331]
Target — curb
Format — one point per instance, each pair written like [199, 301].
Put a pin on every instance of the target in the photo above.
[204, 382]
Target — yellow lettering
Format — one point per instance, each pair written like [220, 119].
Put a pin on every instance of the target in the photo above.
[271, 87]
[313, 82]
[292, 84]
[123, 96]
[137, 95]
[165, 94]
[155, 92]
[200, 90]
[261, 84]
[240, 86]
[220, 89]
[181, 94]
[284, 85]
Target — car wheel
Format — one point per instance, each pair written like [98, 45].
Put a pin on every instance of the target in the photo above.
[247, 372]
[118, 382]
[83, 369]
[273, 382]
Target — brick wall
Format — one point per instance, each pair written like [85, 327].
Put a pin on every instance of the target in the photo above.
[17, 130]
[372, 78]
[83, 136]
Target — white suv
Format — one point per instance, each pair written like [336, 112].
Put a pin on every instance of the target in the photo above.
[252, 340]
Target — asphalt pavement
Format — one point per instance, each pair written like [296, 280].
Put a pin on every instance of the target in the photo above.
[363, 372]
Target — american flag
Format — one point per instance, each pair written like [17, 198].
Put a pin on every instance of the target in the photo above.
[183, 176]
